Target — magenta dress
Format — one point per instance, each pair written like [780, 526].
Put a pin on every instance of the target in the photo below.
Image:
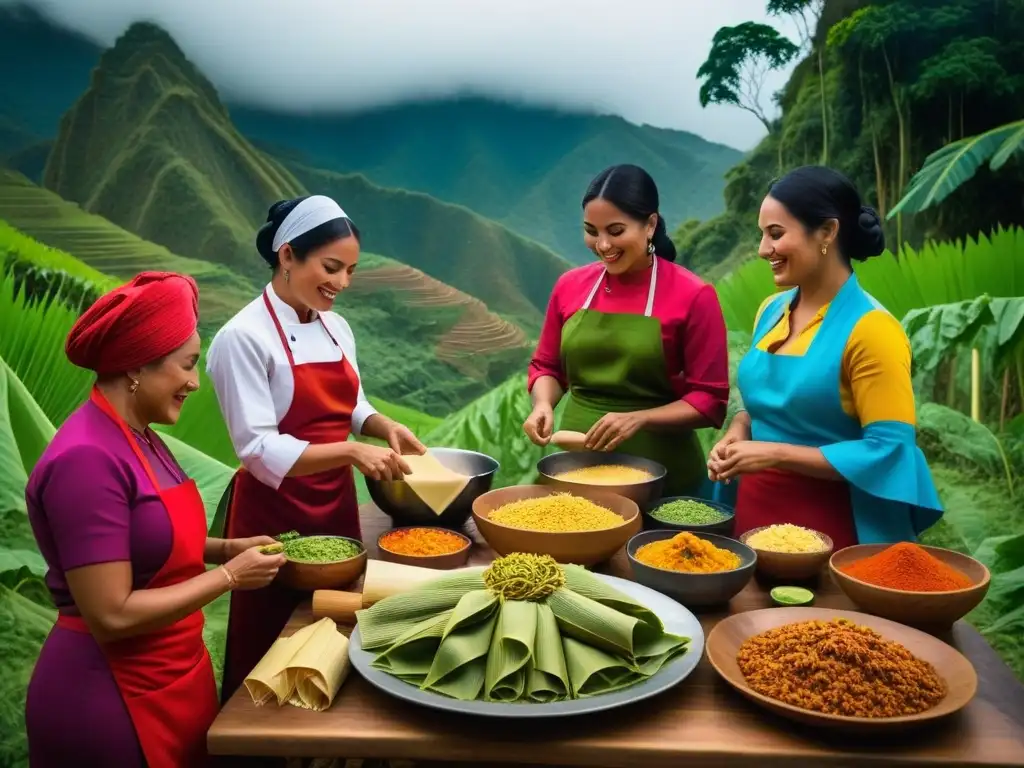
[89, 502]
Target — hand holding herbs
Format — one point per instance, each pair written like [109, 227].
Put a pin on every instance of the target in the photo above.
[253, 568]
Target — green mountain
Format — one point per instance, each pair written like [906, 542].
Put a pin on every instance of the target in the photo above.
[525, 167]
[150, 120]
[897, 81]
[150, 147]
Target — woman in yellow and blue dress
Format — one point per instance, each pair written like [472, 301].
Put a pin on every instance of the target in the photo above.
[827, 437]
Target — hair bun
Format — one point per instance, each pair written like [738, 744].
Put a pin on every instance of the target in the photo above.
[871, 236]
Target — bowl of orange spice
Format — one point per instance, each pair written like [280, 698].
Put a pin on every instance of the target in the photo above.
[914, 584]
[424, 546]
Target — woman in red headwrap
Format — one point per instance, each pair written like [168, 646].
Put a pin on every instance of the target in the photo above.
[124, 678]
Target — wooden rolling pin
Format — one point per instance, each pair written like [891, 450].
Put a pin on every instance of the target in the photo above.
[382, 580]
[568, 440]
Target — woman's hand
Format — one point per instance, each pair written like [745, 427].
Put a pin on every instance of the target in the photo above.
[252, 569]
[718, 454]
[743, 457]
[539, 424]
[612, 429]
[402, 440]
[379, 463]
[235, 547]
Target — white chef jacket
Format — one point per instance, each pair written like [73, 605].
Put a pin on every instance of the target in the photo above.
[249, 369]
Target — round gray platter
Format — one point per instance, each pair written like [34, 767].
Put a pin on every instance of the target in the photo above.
[675, 617]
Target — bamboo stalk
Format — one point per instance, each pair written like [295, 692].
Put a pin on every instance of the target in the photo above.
[975, 384]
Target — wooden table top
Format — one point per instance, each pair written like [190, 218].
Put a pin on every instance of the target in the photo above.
[701, 722]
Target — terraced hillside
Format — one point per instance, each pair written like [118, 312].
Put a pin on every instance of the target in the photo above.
[150, 147]
[112, 250]
[478, 332]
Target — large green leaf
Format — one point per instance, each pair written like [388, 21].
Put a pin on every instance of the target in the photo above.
[937, 331]
[951, 166]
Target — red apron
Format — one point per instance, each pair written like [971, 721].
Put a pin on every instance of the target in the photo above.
[321, 412]
[775, 496]
[165, 676]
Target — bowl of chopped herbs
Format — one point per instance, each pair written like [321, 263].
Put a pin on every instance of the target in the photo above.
[688, 513]
[319, 561]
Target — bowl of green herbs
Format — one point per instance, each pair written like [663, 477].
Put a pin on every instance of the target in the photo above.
[319, 561]
[688, 513]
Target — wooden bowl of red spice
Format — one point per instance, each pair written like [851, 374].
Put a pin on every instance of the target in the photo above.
[914, 584]
[424, 546]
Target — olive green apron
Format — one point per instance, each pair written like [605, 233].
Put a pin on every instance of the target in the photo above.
[615, 363]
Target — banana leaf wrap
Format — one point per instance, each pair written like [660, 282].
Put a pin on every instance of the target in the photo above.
[455, 637]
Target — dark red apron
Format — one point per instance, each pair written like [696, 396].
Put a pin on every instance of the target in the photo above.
[775, 496]
[321, 412]
[165, 676]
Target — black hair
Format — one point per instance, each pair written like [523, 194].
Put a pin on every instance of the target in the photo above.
[328, 232]
[632, 190]
[814, 194]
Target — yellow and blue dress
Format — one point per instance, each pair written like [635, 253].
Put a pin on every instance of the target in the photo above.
[842, 385]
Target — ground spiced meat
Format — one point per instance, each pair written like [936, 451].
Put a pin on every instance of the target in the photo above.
[839, 668]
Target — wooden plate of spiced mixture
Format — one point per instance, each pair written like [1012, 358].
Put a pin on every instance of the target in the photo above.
[840, 669]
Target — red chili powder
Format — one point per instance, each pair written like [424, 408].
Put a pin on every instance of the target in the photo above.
[905, 566]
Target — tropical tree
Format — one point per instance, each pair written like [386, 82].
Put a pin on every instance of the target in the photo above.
[807, 14]
[740, 59]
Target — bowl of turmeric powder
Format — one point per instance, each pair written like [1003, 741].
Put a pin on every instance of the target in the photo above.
[693, 568]
[914, 584]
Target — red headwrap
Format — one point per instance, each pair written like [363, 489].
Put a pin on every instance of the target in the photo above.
[135, 324]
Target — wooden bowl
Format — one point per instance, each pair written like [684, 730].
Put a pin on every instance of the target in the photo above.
[725, 639]
[578, 547]
[441, 562]
[790, 565]
[935, 610]
[643, 493]
[308, 577]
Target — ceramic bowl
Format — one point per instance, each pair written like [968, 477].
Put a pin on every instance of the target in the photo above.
[693, 589]
[643, 493]
[579, 547]
[308, 577]
[937, 610]
[790, 566]
[441, 562]
[722, 527]
[400, 502]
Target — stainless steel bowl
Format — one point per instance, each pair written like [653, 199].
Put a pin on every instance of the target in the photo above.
[644, 494]
[400, 502]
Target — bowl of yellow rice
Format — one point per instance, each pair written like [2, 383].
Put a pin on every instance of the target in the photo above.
[786, 551]
[634, 477]
[585, 527]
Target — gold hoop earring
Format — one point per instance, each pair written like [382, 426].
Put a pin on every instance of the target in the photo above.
[824, 250]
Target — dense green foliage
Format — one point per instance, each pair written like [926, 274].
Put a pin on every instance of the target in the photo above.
[885, 84]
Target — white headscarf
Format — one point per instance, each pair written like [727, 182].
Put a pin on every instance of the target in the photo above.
[309, 214]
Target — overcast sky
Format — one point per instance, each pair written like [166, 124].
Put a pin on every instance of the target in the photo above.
[634, 58]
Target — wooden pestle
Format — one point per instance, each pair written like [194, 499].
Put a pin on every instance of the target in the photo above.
[336, 604]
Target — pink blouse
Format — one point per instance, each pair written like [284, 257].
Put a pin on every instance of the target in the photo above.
[692, 328]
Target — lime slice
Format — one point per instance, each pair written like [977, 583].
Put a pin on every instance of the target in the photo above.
[792, 596]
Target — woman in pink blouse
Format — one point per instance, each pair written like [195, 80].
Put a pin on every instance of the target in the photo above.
[638, 342]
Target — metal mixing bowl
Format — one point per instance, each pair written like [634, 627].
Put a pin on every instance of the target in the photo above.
[644, 494]
[400, 502]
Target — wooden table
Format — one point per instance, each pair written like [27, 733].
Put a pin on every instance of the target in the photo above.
[701, 722]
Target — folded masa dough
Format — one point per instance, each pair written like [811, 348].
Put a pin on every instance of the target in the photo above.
[305, 669]
[433, 482]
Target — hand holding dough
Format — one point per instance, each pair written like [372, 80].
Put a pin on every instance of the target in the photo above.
[568, 440]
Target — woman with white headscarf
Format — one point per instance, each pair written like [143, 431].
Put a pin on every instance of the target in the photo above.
[284, 369]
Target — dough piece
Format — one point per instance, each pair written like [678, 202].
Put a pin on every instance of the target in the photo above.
[568, 440]
[433, 482]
